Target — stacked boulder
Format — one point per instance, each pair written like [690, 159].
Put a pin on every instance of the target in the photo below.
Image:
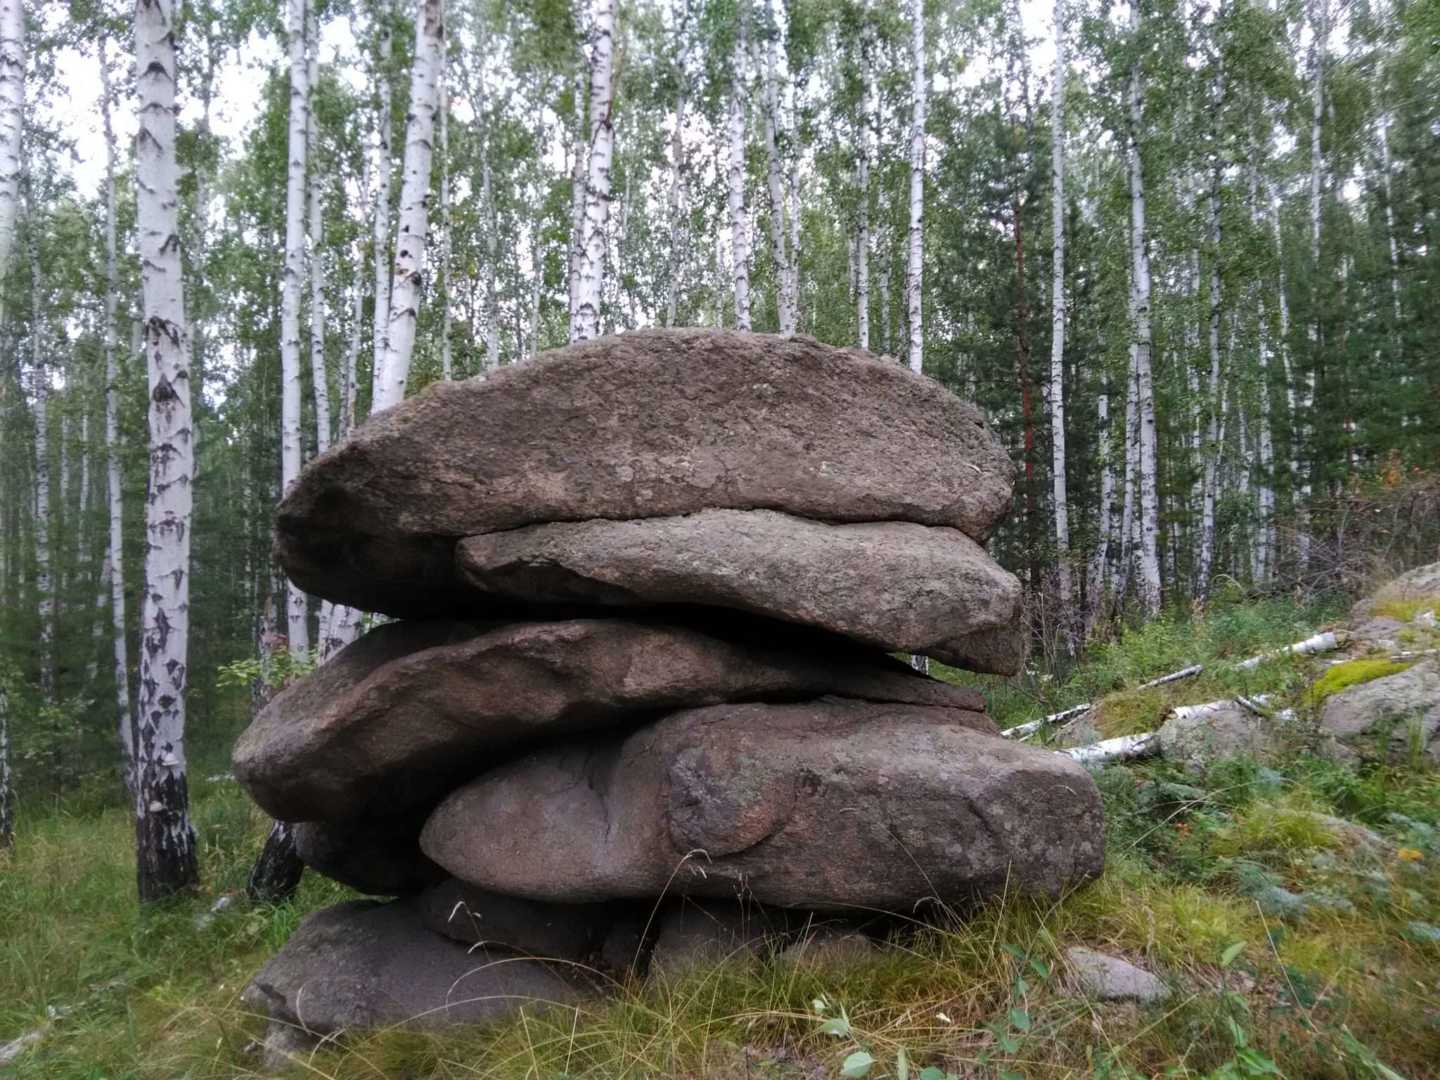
[638, 686]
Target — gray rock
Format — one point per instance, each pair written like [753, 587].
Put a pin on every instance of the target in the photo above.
[380, 857]
[827, 948]
[1416, 584]
[362, 965]
[827, 805]
[1394, 719]
[646, 424]
[1110, 978]
[546, 931]
[895, 585]
[412, 709]
[1196, 740]
[1377, 632]
[694, 933]
[285, 1045]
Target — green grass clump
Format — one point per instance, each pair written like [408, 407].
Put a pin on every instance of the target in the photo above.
[1403, 608]
[1275, 826]
[1351, 673]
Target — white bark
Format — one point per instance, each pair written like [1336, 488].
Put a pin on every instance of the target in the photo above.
[442, 271]
[492, 251]
[735, 173]
[775, 181]
[115, 547]
[410, 234]
[1096, 584]
[319, 375]
[12, 121]
[673, 208]
[165, 841]
[1212, 397]
[40, 392]
[1057, 330]
[1302, 431]
[7, 798]
[590, 267]
[1329, 641]
[867, 152]
[296, 604]
[1144, 382]
[915, 261]
[1122, 748]
[380, 226]
[579, 158]
[1125, 548]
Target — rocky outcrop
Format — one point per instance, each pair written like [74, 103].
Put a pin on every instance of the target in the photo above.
[945, 597]
[1392, 719]
[639, 714]
[646, 424]
[827, 805]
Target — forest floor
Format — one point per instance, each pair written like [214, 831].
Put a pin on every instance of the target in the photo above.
[1344, 981]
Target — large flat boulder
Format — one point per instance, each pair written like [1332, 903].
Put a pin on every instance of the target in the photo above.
[411, 709]
[646, 424]
[896, 585]
[363, 965]
[828, 805]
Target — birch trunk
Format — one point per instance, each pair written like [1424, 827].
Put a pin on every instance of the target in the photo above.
[578, 164]
[590, 271]
[442, 272]
[1213, 437]
[1144, 381]
[164, 838]
[1303, 429]
[12, 121]
[775, 181]
[380, 227]
[1057, 330]
[414, 195]
[914, 266]
[735, 174]
[1125, 548]
[867, 151]
[1100, 559]
[1265, 496]
[673, 205]
[7, 799]
[296, 605]
[40, 392]
[115, 548]
[492, 251]
[319, 375]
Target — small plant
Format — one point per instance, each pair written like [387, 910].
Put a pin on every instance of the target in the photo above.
[274, 672]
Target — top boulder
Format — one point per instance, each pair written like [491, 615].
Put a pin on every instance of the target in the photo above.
[647, 424]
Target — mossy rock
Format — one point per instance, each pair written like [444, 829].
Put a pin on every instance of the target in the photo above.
[1351, 673]
[1404, 608]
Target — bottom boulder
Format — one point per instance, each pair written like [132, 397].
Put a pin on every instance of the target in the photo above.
[829, 805]
[363, 965]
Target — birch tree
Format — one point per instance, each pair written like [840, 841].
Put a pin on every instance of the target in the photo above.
[862, 168]
[413, 221]
[590, 266]
[1320, 31]
[12, 121]
[319, 376]
[1148, 491]
[7, 798]
[780, 248]
[735, 171]
[164, 838]
[380, 222]
[40, 393]
[296, 603]
[1057, 324]
[915, 262]
[115, 547]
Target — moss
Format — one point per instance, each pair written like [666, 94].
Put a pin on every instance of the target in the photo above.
[1351, 673]
[1129, 712]
[1403, 608]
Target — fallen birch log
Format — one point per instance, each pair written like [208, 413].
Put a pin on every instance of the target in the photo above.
[1121, 748]
[1025, 730]
[1329, 641]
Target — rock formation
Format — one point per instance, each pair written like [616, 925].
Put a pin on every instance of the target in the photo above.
[640, 693]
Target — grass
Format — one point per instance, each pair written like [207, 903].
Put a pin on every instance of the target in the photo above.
[1334, 982]
[1403, 608]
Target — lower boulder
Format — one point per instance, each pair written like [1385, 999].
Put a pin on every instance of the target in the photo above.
[830, 805]
[548, 931]
[363, 965]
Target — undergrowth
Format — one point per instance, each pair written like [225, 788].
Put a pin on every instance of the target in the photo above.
[1291, 947]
